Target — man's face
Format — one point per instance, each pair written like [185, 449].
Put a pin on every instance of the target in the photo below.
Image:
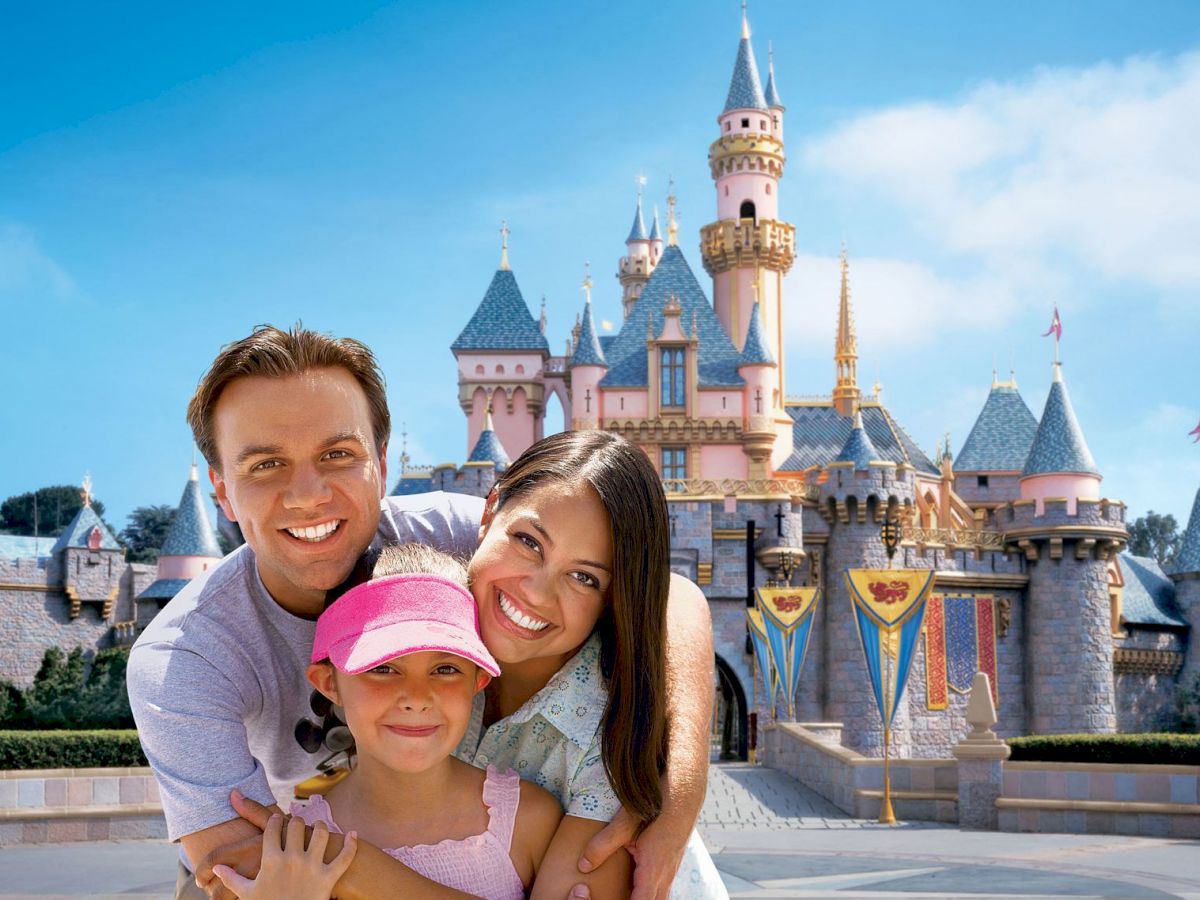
[301, 475]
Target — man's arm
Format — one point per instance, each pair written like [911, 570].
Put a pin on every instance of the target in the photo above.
[690, 690]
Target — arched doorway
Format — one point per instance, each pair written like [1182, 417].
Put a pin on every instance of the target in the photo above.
[747, 210]
[730, 739]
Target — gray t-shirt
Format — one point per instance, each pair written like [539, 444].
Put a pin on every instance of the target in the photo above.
[217, 680]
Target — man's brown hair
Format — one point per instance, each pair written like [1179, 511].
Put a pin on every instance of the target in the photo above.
[273, 353]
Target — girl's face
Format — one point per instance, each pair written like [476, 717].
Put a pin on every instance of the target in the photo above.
[409, 713]
[542, 573]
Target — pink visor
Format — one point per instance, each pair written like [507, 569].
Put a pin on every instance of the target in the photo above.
[389, 617]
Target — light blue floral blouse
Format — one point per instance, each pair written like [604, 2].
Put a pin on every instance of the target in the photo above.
[554, 741]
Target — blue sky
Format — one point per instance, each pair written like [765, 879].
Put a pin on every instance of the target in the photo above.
[172, 175]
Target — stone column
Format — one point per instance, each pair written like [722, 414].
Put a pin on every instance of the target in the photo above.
[980, 758]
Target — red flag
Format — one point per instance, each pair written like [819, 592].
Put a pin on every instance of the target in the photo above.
[1055, 326]
[1196, 432]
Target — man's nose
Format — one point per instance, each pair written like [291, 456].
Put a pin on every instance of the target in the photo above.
[307, 488]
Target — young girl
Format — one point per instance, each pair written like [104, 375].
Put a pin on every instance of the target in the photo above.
[401, 655]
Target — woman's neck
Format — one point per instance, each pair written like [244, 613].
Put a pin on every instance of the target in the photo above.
[520, 681]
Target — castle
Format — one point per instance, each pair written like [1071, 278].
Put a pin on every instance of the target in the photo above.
[1031, 585]
[1031, 581]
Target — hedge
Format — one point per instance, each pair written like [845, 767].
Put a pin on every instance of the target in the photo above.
[70, 749]
[1130, 749]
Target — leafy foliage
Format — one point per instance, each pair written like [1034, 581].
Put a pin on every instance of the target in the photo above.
[70, 749]
[146, 532]
[56, 507]
[1130, 749]
[1187, 705]
[67, 693]
[1155, 536]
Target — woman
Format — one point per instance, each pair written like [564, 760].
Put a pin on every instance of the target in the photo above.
[571, 578]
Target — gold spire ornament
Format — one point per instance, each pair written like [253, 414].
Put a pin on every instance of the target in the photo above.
[85, 492]
[586, 287]
[672, 225]
[504, 244]
[845, 392]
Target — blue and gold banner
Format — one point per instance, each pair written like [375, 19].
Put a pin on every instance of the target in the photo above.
[889, 605]
[762, 653]
[787, 617]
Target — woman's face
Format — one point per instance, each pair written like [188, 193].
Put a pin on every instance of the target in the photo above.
[542, 572]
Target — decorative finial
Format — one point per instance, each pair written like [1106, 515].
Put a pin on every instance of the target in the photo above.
[641, 183]
[542, 317]
[587, 283]
[757, 285]
[404, 457]
[85, 493]
[504, 244]
[745, 22]
[487, 416]
[672, 225]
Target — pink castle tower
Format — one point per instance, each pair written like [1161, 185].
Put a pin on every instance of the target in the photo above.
[748, 250]
[191, 546]
[501, 356]
[642, 252]
[1060, 465]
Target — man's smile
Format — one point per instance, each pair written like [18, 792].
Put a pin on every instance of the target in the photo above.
[315, 534]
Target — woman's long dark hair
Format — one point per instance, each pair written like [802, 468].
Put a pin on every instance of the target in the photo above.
[633, 624]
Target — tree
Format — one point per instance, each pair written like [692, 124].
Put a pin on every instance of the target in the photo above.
[56, 507]
[1156, 536]
[146, 532]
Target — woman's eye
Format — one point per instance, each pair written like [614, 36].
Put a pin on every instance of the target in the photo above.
[528, 541]
[586, 579]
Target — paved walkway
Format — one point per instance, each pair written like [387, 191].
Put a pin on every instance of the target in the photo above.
[770, 837]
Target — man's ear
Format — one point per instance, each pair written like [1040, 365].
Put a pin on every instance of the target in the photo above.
[218, 483]
[383, 482]
[320, 675]
[489, 511]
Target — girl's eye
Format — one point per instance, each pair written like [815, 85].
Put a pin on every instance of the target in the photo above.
[448, 669]
[381, 670]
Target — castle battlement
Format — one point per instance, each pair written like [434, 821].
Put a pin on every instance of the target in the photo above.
[1096, 526]
[847, 492]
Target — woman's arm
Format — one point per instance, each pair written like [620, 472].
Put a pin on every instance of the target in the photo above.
[690, 690]
[538, 817]
[559, 877]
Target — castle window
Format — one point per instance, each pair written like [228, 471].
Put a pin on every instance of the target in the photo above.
[726, 190]
[768, 188]
[671, 372]
[762, 123]
[981, 481]
[520, 369]
[479, 370]
[747, 210]
[499, 370]
[727, 125]
[745, 123]
[674, 465]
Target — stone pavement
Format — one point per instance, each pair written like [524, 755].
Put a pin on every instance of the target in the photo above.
[770, 837]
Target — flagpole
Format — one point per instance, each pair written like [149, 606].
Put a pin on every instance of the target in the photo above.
[752, 719]
[886, 815]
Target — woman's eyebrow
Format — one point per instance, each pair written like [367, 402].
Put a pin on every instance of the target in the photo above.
[595, 565]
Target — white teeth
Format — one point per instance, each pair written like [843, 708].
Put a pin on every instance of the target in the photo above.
[515, 615]
[315, 533]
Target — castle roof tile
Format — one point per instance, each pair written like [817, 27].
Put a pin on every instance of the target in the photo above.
[1002, 435]
[502, 321]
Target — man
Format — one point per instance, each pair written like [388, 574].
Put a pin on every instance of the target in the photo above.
[294, 426]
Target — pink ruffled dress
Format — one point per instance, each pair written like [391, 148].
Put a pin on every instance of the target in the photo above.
[479, 864]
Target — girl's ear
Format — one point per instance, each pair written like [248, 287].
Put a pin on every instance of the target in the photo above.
[320, 675]
[489, 512]
[482, 679]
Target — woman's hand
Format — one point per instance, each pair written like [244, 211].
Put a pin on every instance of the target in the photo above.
[289, 869]
[657, 852]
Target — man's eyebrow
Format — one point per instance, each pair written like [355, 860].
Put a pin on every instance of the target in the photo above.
[341, 436]
[257, 450]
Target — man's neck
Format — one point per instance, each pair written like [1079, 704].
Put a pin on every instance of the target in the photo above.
[304, 604]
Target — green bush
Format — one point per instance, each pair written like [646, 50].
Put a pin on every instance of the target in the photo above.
[68, 693]
[1187, 705]
[69, 749]
[1130, 749]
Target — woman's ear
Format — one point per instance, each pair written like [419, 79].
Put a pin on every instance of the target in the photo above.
[320, 675]
[489, 512]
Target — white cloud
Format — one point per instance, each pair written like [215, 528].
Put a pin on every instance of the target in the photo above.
[26, 270]
[1153, 466]
[1098, 164]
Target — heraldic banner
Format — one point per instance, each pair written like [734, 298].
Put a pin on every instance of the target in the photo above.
[787, 617]
[889, 605]
[762, 654]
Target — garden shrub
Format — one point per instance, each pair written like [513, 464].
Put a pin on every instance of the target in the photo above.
[1129, 749]
[70, 749]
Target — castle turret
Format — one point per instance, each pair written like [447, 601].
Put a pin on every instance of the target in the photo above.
[88, 560]
[637, 265]
[1186, 576]
[190, 548]
[587, 367]
[501, 354]
[1059, 462]
[758, 368]
[489, 448]
[1069, 537]
[989, 466]
[748, 243]
[771, 95]
[858, 449]
[846, 393]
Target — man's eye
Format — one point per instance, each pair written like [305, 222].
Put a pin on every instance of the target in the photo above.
[265, 464]
[338, 454]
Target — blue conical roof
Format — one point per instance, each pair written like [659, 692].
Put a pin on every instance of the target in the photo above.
[588, 351]
[638, 231]
[858, 448]
[1058, 446]
[1002, 435]
[745, 90]
[771, 94]
[488, 448]
[191, 532]
[655, 234]
[1188, 558]
[755, 351]
[502, 321]
[81, 526]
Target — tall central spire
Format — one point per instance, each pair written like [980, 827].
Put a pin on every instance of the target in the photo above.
[846, 393]
[745, 88]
